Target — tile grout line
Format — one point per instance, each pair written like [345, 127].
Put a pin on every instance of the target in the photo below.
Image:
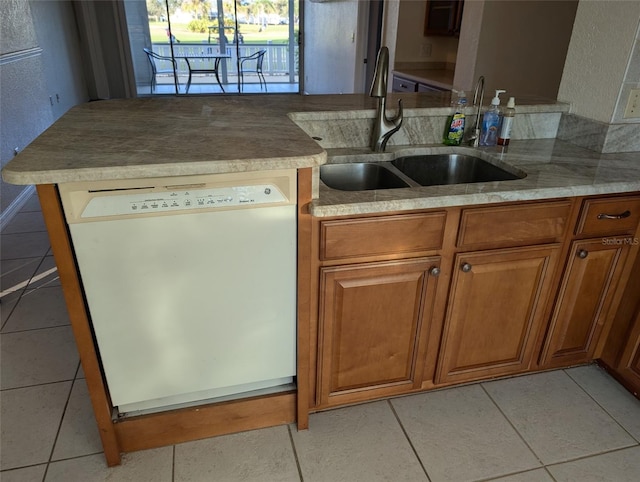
[395, 414]
[542, 464]
[55, 440]
[173, 463]
[600, 405]
[590, 456]
[36, 329]
[295, 453]
[37, 385]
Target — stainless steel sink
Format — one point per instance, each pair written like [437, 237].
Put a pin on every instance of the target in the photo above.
[437, 169]
[359, 176]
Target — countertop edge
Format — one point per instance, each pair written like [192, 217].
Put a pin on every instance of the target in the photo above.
[391, 205]
[59, 176]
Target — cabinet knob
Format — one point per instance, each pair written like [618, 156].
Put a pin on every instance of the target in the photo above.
[623, 215]
[583, 253]
[466, 267]
[435, 272]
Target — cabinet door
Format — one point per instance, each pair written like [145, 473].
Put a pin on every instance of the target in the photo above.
[584, 301]
[443, 17]
[629, 365]
[496, 309]
[373, 321]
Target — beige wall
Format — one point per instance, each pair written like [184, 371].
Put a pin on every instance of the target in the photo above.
[518, 45]
[411, 37]
[603, 61]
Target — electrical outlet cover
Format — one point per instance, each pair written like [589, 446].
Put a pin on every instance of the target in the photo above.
[633, 105]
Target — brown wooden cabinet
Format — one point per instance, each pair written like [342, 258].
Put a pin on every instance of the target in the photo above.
[374, 319]
[593, 280]
[629, 365]
[443, 17]
[496, 309]
[584, 302]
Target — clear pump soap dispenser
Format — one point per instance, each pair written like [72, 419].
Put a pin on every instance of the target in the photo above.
[491, 122]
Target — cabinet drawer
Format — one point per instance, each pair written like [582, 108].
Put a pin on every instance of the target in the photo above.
[403, 85]
[379, 236]
[514, 225]
[609, 216]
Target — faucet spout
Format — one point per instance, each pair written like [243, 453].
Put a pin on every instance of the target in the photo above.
[474, 138]
[383, 126]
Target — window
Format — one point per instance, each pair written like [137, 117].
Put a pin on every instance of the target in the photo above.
[214, 46]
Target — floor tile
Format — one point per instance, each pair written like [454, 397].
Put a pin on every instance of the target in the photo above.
[30, 419]
[78, 433]
[46, 274]
[360, 443]
[16, 274]
[147, 466]
[555, 417]
[24, 245]
[27, 474]
[538, 475]
[38, 356]
[257, 455]
[38, 308]
[619, 466]
[611, 396]
[459, 434]
[33, 204]
[6, 308]
[25, 222]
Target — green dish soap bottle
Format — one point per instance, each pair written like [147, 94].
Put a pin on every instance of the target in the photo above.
[454, 128]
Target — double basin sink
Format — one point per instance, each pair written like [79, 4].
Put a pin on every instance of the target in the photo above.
[423, 170]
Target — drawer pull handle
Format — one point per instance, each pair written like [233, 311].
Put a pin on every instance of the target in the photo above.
[466, 267]
[583, 253]
[435, 272]
[403, 86]
[623, 215]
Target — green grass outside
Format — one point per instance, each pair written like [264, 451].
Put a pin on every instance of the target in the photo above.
[251, 33]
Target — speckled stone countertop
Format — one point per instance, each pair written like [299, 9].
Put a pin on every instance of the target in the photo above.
[442, 78]
[553, 169]
[174, 136]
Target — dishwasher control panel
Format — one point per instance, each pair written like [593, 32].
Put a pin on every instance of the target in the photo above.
[117, 203]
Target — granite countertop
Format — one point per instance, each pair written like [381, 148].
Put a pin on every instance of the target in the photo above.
[553, 169]
[174, 136]
[437, 77]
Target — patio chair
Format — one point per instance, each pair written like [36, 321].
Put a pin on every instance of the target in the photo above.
[259, 58]
[152, 56]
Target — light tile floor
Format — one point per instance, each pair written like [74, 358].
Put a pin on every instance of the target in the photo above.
[565, 425]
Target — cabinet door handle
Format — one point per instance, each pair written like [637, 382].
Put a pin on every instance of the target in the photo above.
[623, 215]
[466, 267]
[403, 86]
[435, 271]
[583, 253]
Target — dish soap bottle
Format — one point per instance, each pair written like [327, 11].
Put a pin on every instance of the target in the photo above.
[454, 128]
[491, 122]
[507, 122]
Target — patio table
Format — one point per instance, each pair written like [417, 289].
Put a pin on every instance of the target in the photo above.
[208, 70]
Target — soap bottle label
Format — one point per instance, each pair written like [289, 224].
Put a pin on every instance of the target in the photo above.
[453, 136]
[505, 131]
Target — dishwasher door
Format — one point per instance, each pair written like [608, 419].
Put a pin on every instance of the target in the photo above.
[193, 304]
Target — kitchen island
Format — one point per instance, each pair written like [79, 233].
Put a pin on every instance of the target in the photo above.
[172, 137]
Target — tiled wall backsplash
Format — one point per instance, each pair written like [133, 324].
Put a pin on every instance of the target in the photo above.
[335, 131]
[599, 136]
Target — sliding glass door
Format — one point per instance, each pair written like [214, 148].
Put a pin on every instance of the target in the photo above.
[214, 46]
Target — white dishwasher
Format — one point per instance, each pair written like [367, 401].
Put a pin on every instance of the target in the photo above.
[190, 283]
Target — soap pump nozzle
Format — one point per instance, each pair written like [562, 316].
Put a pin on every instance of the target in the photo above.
[496, 99]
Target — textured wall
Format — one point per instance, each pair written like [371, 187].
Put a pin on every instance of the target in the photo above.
[40, 73]
[603, 37]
